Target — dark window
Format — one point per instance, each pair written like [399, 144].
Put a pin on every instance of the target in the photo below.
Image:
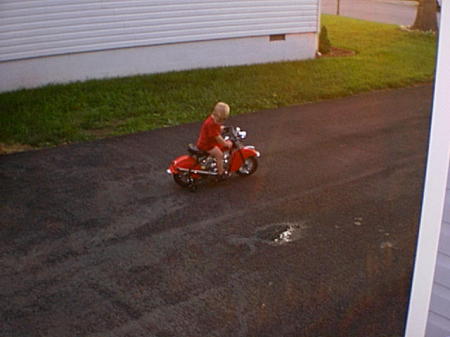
[277, 37]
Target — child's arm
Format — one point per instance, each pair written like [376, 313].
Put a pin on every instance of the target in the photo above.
[223, 142]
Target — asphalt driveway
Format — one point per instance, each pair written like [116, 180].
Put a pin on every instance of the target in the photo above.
[96, 240]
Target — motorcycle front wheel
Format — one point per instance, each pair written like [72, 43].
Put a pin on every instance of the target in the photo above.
[248, 167]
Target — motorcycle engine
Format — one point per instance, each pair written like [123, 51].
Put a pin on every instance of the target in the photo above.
[208, 163]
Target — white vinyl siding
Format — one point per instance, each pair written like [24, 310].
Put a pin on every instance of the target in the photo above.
[439, 316]
[34, 28]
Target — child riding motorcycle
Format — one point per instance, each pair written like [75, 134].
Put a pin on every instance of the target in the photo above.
[215, 156]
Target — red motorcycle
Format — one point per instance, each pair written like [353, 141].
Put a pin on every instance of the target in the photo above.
[198, 166]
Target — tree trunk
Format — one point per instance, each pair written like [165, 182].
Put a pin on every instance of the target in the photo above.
[426, 16]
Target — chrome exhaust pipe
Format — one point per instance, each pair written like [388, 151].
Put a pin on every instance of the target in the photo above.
[197, 171]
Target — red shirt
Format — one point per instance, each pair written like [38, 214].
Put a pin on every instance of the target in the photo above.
[208, 133]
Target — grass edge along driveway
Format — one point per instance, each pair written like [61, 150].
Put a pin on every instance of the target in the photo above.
[386, 57]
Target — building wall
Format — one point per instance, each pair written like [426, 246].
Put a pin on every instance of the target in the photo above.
[64, 34]
[439, 317]
[143, 60]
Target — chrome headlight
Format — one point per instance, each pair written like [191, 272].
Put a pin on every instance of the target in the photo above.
[242, 134]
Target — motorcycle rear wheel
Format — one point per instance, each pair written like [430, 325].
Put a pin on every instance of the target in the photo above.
[184, 179]
[249, 167]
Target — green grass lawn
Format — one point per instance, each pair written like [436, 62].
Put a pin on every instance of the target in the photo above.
[386, 57]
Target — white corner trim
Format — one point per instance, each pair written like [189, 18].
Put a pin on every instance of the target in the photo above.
[435, 188]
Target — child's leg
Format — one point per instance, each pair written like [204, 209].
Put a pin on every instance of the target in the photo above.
[218, 155]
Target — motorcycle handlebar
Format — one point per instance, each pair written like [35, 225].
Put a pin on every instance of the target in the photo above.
[234, 133]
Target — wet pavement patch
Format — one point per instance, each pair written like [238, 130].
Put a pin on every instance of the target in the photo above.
[281, 233]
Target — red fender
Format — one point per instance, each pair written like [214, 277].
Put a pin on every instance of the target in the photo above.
[184, 161]
[238, 157]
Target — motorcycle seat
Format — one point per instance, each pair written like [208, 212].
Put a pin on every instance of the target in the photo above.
[192, 149]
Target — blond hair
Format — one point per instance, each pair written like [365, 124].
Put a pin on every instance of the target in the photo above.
[221, 111]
